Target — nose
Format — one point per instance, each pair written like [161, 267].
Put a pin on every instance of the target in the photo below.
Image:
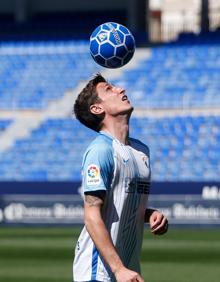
[119, 90]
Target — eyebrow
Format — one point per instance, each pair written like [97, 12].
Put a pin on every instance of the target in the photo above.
[107, 84]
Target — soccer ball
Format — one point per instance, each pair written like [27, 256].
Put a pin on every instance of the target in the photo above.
[112, 45]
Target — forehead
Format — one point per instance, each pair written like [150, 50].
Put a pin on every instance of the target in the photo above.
[101, 85]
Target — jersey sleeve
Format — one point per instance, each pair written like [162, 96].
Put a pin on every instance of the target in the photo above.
[97, 169]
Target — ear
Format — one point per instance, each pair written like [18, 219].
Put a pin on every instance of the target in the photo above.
[96, 109]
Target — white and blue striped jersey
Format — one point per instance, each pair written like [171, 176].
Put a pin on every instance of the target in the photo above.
[123, 171]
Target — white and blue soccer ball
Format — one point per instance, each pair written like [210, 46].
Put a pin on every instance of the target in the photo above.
[112, 45]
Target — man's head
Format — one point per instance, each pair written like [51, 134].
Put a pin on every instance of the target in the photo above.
[100, 99]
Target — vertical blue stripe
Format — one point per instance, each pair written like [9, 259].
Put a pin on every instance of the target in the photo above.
[95, 255]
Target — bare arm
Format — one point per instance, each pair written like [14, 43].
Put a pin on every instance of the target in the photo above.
[102, 240]
[98, 232]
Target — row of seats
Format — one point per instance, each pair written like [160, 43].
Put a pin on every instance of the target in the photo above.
[182, 148]
[34, 74]
[174, 76]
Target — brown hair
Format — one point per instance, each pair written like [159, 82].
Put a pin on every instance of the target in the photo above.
[85, 99]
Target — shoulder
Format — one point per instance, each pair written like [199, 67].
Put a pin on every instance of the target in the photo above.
[100, 144]
[138, 145]
[101, 147]
[98, 164]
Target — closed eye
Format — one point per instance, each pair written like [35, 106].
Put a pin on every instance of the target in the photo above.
[108, 88]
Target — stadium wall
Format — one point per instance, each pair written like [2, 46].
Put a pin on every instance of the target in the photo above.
[60, 203]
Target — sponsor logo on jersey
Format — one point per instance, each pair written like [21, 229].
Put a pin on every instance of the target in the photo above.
[136, 186]
[93, 174]
[125, 161]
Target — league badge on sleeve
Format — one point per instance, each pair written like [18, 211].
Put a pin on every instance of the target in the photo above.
[93, 175]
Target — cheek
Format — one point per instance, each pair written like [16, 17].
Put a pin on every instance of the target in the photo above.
[110, 104]
[112, 108]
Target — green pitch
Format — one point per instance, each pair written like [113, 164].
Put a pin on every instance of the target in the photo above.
[45, 255]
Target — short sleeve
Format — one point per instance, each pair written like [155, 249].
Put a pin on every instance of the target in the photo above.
[98, 167]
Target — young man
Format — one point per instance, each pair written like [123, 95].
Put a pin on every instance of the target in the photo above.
[116, 180]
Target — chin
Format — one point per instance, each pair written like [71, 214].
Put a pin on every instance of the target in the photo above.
[131, 108]
[128, 111]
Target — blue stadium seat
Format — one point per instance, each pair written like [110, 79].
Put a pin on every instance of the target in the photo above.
[4, 123]
[180, 149]
[175, 76]
[34, 73]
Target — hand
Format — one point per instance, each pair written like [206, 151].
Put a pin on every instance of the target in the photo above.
[124, 274]
[158, 223]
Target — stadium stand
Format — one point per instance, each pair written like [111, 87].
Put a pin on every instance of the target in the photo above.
[52, 152]
[4, 124]
[175, 77]
[180, 149]
[34, 73]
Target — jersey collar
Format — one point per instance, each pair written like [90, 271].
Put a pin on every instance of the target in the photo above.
[113, 138]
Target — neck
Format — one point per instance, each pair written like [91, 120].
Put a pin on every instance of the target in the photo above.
[118, 128]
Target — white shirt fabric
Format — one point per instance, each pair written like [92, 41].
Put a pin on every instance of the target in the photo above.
[123, 171]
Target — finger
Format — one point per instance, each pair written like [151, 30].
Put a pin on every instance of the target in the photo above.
[162, 231]
[139, 278]
[157, 222]
[161, 226]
